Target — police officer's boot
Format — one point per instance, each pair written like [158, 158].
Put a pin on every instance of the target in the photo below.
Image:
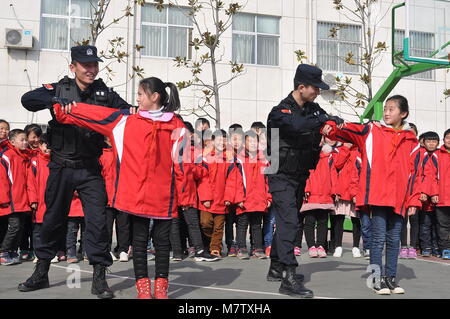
[276, 270]
[99, 285]
[39, 278]
[292, 287]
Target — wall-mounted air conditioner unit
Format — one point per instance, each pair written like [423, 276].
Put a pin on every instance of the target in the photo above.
[18, 38]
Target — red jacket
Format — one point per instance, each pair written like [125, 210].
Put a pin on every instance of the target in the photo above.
[40, 172]
[386, 164]
[76, 209]
[18, 187]
[196, 186]
[444, 176]
[4, 144]
[321, 184]
[148, 152]
[108, 163]
[348, 177]
[223, 178]
[256, 196]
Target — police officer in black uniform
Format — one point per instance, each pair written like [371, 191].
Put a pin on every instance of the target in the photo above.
[74, 166]
[298, 121]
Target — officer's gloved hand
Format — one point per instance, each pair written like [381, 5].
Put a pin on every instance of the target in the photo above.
[61, 100]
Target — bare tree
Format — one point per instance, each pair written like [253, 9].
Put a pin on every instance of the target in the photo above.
[206, 45]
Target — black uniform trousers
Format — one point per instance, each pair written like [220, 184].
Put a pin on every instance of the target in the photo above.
[61, 184]
[287, 198]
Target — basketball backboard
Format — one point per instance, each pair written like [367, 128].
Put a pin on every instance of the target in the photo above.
[427, 32]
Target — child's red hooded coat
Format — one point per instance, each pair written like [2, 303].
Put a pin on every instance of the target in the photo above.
[348, 177]
[386, 164]
[222, 174]
[256, 196]
[321, 184]
[149, 153]
[40, 172]
[444, 176]
[18, 185]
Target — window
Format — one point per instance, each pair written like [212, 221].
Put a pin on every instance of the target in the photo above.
[166, 33]
[331, 51]
[256, 39]
[65, 22]
[422, 44]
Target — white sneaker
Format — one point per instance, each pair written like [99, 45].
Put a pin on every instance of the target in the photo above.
[356, 252]
[114, 258]
[35, 260]
[55, 260]
[367, 254]
[123, 256]
[337, 252]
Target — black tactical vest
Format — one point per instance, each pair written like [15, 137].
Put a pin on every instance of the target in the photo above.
[70, 142]
[298, 152]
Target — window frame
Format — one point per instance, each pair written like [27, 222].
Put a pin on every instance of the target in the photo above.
[338, 41]
[255, 34]
[167, 25]
[67, 17]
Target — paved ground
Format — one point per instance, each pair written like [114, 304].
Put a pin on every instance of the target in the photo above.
[231, 278]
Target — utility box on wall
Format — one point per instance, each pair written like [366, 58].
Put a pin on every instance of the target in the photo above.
[18, 38]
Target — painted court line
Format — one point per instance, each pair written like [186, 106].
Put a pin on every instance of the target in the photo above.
[195, 286]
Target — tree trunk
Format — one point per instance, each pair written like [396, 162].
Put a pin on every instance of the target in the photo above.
[216, 89]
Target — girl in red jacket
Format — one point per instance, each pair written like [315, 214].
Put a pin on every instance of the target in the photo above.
[319, 200]
[346, 190]
[149, 149]
[4, 131]
[385, 148]
[256, 197]
[443, 205]
[17, 193]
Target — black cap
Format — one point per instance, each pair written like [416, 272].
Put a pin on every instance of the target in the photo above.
[309, 74]
[84, 54]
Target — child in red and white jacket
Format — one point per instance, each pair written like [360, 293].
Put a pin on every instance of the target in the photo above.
[108, 161]
[4, 131]
[346, 190]
[443, 205]
[319, 200]
[17, 193]
[75, 223]
[254, 195]
[196, 190]
[222, 178]
[149, 149]
[428, 184]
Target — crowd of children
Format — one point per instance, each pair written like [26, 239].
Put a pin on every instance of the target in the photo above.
[219, 192]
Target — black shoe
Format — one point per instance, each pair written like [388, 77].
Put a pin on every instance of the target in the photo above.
[39, 278]
[290, 286]
[393, 287]
[436, 252]
[381, 288]
[99, 285]
[203, 255]
[276, 270]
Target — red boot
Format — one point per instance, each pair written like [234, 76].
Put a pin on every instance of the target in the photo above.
[161, 287]
[144, 288]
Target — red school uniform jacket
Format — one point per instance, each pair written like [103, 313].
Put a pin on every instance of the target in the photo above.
[109, 163]
[253, 183]
[444, 176]
[386, 164]
[148, 152]
[348, 176]
[429, 179]
[76, 209]
[223, 178]
[321, 184]
[18, 187]
[196, 185]
[40, 172]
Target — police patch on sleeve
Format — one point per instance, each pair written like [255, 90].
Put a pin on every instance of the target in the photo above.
[286, 111]
[48, 87]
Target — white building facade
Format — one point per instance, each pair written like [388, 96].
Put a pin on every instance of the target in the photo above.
[263, 38]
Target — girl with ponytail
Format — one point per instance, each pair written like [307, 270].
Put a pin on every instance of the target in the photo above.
[148, 148]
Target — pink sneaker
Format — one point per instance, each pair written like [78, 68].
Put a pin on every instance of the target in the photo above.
[412, 253]
[312, 252]
[321, 252]
[297, 251]
[403, 253]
